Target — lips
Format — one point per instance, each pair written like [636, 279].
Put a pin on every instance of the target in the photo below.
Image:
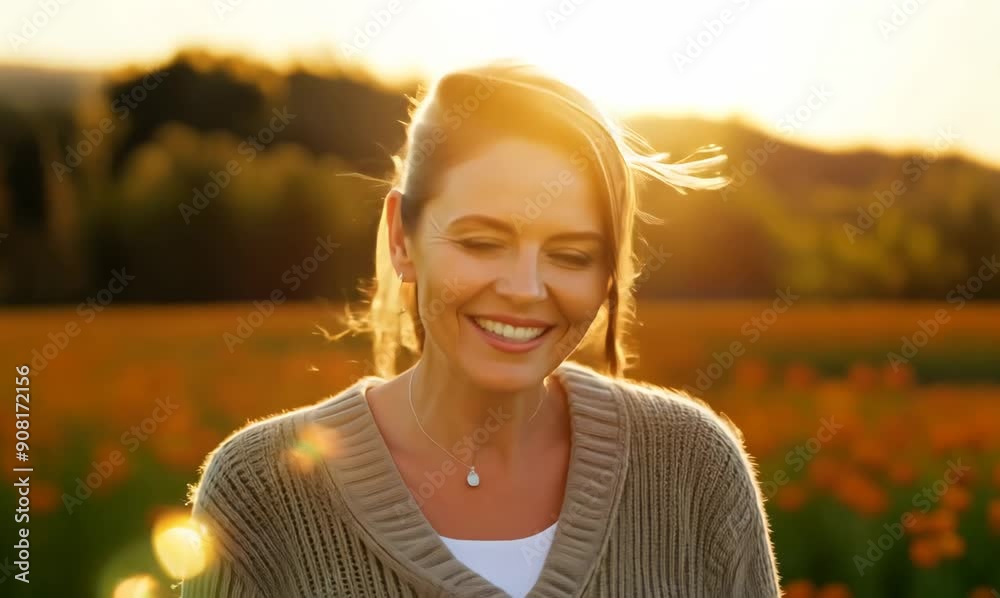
[508, 345]
[513, 333]
[515, 321]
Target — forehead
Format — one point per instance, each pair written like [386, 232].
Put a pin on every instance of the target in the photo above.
[530, 185]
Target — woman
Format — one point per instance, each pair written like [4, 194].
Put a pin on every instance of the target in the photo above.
[494, 465]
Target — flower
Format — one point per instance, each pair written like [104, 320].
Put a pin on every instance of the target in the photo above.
[824, 471]
[942, 520]
[902, 473]
[791, 497]
[956, 498]
[800, 376]
[898, 376]
[924, 553]
[863, 377]
[834, 590]
[993, 515]
[800, 588]
[950, 545]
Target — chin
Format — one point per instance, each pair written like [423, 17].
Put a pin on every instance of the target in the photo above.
[506, 377]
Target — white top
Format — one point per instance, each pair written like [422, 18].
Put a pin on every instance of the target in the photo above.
[511, 565]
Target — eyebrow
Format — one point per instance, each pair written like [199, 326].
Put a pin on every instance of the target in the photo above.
[496, 223]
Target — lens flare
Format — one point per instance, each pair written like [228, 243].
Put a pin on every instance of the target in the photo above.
[137, 586]
[181, 544]
[314, 445]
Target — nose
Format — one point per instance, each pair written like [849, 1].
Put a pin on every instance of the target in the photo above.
[522, 282]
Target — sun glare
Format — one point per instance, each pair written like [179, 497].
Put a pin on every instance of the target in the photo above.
[181, 545]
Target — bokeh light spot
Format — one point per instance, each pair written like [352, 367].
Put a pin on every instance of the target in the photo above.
[182, 545]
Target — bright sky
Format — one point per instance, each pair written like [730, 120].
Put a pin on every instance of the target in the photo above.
[891, 73]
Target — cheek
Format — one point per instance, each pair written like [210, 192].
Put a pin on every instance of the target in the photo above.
[461, 272]
[449, 280]
[579, 294]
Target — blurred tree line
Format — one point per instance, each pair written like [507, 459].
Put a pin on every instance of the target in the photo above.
[212, 178]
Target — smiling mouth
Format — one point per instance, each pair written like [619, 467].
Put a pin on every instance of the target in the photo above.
[513, 334]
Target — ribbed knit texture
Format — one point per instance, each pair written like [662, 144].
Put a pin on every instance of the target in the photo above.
[661, 500]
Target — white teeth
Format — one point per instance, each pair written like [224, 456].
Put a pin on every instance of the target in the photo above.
[515, 333]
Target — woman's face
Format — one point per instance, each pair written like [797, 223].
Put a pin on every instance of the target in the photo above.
[511, 263]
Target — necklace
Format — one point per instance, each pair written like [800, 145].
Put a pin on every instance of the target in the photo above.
[473, 478]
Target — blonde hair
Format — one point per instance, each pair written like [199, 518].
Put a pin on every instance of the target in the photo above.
[503, 99]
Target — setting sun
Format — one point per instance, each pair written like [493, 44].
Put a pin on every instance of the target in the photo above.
[897, 68]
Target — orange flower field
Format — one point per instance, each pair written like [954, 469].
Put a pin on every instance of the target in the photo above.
[877, 437]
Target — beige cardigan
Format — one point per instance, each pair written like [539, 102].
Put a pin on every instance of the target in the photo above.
[661, 500]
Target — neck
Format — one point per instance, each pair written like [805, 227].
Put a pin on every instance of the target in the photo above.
[477, 424]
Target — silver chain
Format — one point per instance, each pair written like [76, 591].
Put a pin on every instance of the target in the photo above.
[471, 468]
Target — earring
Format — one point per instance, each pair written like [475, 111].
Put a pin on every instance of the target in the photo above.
[400, 277]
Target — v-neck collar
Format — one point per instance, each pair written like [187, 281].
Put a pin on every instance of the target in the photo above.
[387, 517]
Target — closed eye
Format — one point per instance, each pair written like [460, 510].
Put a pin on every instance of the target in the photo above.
[478, 244]
[579, 260]
[575, 259]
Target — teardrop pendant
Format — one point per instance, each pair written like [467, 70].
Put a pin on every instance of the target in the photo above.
[472, 478]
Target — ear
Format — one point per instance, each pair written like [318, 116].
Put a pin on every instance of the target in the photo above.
[399, 249]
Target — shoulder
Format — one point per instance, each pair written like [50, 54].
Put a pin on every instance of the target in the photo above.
[240, 463]
[674, 413]
[256, 457]
[686, 433]
[664, 418]
[695, 456]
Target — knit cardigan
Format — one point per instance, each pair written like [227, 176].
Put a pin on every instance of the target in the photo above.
[661, 499]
